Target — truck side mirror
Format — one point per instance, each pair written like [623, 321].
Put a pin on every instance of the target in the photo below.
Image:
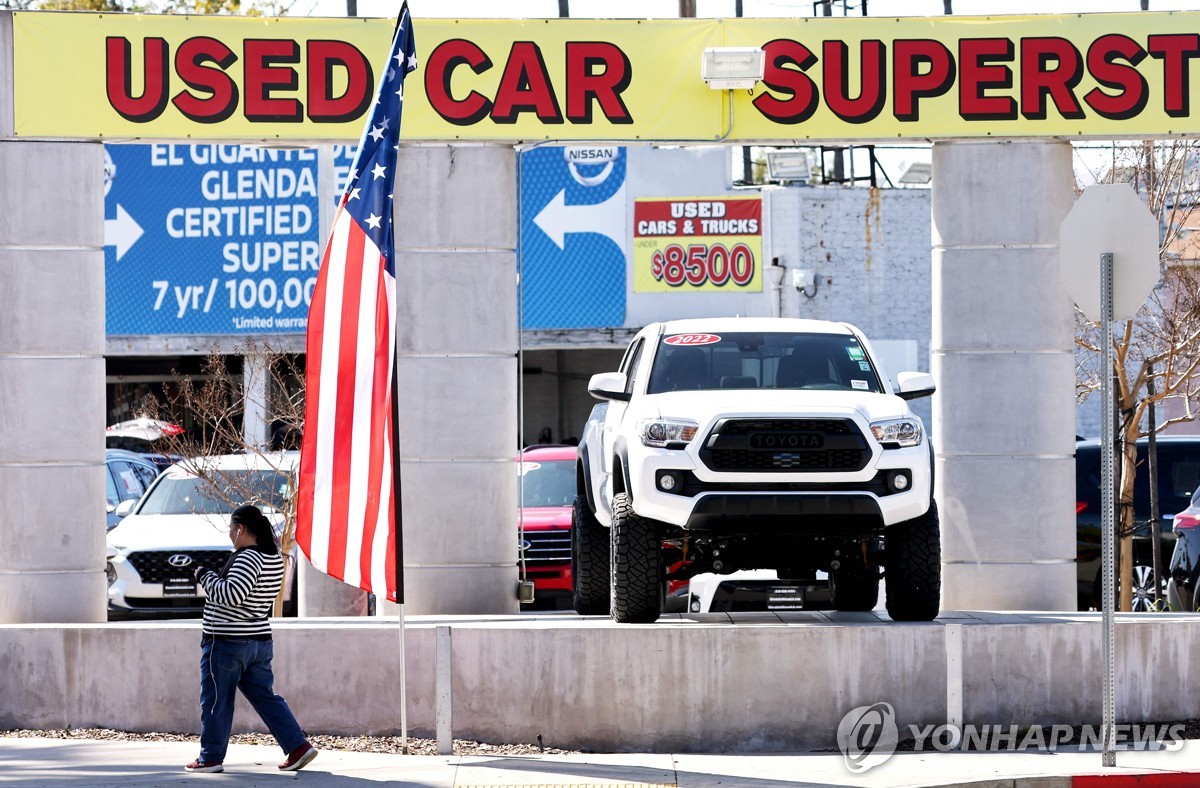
[914, 385]
[609, 386]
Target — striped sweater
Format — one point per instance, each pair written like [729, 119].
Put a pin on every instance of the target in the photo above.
[240, 596]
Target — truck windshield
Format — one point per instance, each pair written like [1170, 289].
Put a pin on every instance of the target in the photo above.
[762, 360]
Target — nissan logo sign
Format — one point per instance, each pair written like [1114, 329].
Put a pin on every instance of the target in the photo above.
[179, 560]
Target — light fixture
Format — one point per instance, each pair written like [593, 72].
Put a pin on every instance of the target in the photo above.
[795, 165]
[732, 68]
[917, 174]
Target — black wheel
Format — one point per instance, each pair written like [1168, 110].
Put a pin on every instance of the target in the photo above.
[913, 557]
[589, 561]
[854, 588]
[636, 565]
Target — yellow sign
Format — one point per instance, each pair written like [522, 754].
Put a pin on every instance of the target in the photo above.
[240, 78]
[693, 244]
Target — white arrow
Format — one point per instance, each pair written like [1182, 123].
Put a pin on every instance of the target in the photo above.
[122, 232]
[606, 218]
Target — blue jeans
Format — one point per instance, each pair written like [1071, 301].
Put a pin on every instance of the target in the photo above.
[228, 664]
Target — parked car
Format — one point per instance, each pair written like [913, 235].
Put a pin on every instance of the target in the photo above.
[183, 521]
[1183, 583]
[548, 491]
[1178, 478]
[127, 476]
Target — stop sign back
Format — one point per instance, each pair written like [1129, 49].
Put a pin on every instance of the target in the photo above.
[1109, 218]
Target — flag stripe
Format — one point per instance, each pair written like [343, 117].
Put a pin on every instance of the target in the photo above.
[344, 413]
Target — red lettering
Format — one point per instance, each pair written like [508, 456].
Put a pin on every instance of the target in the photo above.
[439, 70]
[324, 58]
[119, 78]
[921, 68]
[264, 76]
[192, 61]
[1131, 85]
[1175, 51]
[525, 87]
[597, 71]
[873, 80]
[786, 62]
[1050, 66]
[980, 71]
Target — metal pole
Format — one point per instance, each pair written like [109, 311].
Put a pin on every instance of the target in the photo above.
[1155, 504]
[1107, 527]
[564, 9]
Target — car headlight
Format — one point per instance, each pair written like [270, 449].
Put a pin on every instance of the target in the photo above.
[667, 433]
[897, 433]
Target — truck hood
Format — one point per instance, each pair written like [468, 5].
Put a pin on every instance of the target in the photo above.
[703, 406]
[170, 532]
[540, 518]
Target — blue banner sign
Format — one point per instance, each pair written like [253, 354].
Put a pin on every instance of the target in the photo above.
[209, 239]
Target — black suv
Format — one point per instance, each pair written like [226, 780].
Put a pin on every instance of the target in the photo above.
[1178, 478]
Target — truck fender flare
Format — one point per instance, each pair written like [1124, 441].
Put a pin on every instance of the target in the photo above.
[585, 473]
[621, 464]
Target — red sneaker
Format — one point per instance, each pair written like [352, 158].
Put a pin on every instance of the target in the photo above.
[204, 766]
[299, 758]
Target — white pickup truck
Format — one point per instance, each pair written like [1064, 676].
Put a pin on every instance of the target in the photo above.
[755, 443]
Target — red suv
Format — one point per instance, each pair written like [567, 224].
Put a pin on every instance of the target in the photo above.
[547, 493]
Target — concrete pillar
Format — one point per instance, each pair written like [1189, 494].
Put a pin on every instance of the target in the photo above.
[1002, 354]
[256, 428]
[456, 329]
[51, 381]
[318, 594]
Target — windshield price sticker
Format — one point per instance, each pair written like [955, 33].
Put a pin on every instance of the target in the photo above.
[692, 339]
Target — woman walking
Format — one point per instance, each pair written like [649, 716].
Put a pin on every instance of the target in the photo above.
[236, 648]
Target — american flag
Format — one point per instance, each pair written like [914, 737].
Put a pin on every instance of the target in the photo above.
[347, 496]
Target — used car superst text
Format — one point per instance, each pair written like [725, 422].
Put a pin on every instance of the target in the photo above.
[762, 443]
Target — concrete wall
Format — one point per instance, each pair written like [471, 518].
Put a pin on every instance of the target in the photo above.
[51, 381]
[702, 684]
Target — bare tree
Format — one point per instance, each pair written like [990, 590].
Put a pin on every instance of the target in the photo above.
[212, 408]
[1159, 349]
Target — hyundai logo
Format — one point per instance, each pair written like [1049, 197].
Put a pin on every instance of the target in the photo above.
[179, 560]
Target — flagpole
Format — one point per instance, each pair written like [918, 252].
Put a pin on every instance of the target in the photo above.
[399, 521]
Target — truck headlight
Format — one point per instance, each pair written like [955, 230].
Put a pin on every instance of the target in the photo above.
[667, 433]
[897, 433]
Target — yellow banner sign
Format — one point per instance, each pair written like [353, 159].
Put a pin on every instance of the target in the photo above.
[239, 78]
[693, 244]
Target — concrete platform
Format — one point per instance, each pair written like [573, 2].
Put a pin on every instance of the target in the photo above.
[754, 682]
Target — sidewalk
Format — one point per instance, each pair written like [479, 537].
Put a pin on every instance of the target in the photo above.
[99, 764]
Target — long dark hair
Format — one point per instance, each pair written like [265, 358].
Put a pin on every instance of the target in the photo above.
[252, 519]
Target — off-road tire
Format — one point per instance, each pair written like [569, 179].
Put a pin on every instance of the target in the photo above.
[854, 589]
[913, 560]
[589, 561]
[636, 565]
